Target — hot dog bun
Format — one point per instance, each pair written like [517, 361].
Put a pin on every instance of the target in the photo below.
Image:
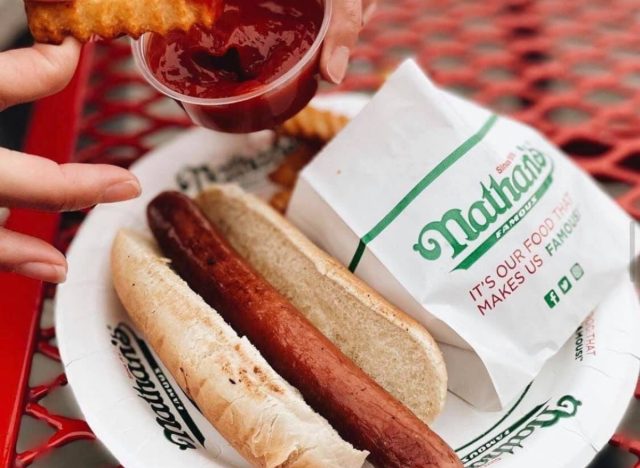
[261, 415]
[397, 352]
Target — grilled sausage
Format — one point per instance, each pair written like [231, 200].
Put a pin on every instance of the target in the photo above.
[359, 409]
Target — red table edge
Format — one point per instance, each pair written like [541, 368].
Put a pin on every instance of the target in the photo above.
[52, 133]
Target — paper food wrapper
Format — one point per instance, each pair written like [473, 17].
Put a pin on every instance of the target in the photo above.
[472, 223]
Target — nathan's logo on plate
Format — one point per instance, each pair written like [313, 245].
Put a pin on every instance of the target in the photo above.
[245, 169]
[514, 196]
[149, 380]
[514, 437]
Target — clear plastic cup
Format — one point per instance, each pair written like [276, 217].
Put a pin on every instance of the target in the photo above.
[262, 108]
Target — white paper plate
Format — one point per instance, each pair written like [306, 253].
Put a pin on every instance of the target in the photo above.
[134, 406]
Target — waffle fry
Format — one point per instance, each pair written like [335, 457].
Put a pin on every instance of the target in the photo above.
[315, 124]
[82, 19]
[280, 201]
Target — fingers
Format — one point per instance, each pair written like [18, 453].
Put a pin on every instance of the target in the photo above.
[35, 182]
[34, 72]
[39, 183]
[31, 257]
[345, 26]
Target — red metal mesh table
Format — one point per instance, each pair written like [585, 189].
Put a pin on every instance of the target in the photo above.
[571, 69]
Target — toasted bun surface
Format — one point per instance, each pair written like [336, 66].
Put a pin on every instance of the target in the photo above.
[261, 415]
[53, 21]
[396, 351]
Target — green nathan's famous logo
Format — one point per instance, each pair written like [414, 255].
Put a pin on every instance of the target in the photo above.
[531, 176]
[142, 367]
[513, 438]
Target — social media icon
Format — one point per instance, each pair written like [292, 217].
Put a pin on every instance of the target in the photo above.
[564, 284]
[552, 299]
[577, 272]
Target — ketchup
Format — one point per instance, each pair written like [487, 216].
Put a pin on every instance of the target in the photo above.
[252, 44]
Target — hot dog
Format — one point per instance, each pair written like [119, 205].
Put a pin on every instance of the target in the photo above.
[394, 350]
[362, 412]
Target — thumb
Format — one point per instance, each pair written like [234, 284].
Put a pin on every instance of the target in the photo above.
[345, 25]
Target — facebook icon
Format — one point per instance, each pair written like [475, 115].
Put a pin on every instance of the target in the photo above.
[552, 299]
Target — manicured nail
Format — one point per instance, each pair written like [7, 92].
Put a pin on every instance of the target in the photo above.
[368, 13]
[338, 64]
[4, 215]
[121, 191]
[42, 271]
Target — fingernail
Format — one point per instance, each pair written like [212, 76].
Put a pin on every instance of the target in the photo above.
[43, 271]
[338, 64]
[121, 191]
[368, 13]
[4, 216]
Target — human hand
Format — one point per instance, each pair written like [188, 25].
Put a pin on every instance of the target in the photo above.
[348, 18]
[34, 182]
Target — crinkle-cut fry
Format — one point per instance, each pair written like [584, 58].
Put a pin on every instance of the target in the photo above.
[280, 200]
[287, 172]
[52, 21]
[315, 124]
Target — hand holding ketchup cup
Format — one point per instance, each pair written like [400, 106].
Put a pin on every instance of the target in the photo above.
[255, 68]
